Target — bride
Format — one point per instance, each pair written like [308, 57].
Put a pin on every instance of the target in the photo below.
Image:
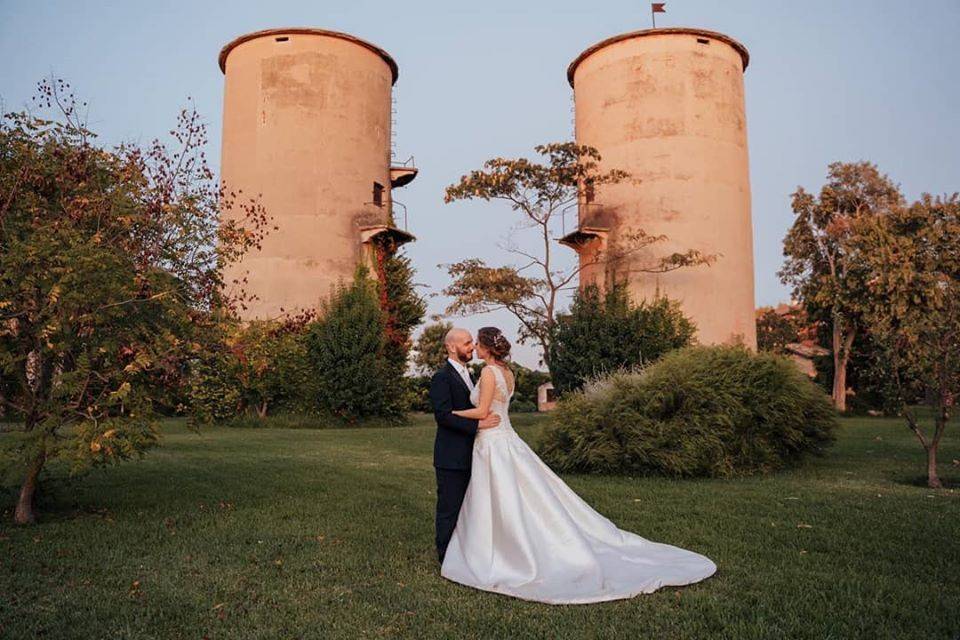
[523, 532]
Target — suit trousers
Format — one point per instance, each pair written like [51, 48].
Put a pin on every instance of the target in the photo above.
[451, 489]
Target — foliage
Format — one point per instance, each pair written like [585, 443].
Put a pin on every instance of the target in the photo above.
[775, 331]
[110, 265]
[605, 332]
[823, 264]
[272, 358]
[215, 393]
[430, 353]
[523, 406]
[258, 365]
[870, 379]
[526, 383]
[913, 308]
[540, 192]
[403, 311]
[347, 350]
[699, 411]
[268, 366]
[403, 308]
[419, 393]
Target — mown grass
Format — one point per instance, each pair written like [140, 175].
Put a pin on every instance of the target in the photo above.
[295, 533]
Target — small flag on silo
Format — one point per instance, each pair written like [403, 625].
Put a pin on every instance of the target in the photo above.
[655, 8]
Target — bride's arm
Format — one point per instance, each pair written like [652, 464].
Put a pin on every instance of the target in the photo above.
[487, 387]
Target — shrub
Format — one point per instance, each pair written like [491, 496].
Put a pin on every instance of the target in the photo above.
[700, 411]
[523, 406]
[214, 393]
[603, 333]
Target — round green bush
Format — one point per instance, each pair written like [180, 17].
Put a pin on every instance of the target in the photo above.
[715, 411]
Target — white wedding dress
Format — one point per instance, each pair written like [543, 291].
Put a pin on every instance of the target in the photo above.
[523, 532]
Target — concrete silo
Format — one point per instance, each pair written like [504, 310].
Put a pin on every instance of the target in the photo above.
[667, 106]
[307, 124]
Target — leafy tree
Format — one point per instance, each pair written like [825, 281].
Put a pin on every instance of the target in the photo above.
[403, 311]
[775, 331]
[110, 263]
[418, 389]
[526, 383]
[214, 388]
[272, 361]
[430, 352]
[604, 332]
[348, 348]
[913, 310]
[822, 262]
[869, 375]
[403, 308]
[540, 192]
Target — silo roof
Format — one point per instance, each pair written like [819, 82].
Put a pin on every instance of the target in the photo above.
[222, 59]
[742, 50]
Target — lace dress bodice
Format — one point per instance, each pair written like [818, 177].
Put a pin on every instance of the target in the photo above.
[501, 400]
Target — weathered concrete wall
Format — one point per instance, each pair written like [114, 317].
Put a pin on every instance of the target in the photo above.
[667, 106]
[306, 123]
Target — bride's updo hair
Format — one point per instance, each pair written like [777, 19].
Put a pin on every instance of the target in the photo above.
[495, 342]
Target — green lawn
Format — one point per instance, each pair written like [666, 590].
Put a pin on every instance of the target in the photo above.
[298, 533]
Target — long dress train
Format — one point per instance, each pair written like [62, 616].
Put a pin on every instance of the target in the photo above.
[523, 532]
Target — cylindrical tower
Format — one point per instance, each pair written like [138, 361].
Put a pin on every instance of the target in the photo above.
[667, 106]
[306, 125]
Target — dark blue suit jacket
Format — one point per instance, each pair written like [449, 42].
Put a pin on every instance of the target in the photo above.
[453, 447]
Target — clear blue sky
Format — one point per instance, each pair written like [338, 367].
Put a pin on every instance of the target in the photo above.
[828, 80]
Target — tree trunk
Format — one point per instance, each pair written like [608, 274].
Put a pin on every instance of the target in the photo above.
[840, 384]
[933, 480]
[24, 513]
[842, 344]
[262, 409]
[940, 425]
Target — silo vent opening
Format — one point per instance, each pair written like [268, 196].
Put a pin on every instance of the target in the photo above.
[703, 41]
[281, 38]
[378, 194]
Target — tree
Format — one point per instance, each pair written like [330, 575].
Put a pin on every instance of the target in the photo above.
[822, 263]
[540, 192]
[605, 332]
[775, 331]
[272, 361]
[110, 263]
[430, 352]
[526, 384]
[913, 309]
[348, 349]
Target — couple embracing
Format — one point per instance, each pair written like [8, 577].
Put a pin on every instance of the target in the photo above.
[505, 522]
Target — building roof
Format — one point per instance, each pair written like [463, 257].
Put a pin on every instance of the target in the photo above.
[742, 50]
[222, 59]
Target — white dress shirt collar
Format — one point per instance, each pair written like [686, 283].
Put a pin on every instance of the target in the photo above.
[463, 371]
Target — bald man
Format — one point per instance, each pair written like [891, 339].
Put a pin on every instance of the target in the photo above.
[453, 448]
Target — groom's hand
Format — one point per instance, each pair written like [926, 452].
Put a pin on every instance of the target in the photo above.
[489, 422]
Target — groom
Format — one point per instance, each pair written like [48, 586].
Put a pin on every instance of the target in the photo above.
[453, 448]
